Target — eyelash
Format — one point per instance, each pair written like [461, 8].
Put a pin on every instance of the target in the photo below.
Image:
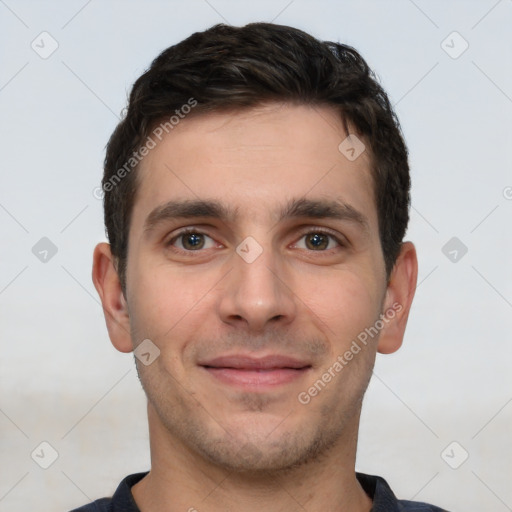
[325, 232]
[305, 232]
[182, 233]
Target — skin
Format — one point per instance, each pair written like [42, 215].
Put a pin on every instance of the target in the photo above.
[217, 446]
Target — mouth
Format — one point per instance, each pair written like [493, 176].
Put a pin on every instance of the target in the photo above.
[252, 373]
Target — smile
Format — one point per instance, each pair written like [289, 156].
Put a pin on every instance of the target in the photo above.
[256, 374]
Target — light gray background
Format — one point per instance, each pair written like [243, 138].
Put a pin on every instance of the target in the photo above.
[62, 382]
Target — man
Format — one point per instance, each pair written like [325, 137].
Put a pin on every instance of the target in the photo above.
[256, 200]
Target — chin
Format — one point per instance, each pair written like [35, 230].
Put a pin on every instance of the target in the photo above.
[263, 454]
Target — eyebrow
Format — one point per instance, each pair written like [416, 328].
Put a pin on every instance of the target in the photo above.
[295, 208]
[323, 209]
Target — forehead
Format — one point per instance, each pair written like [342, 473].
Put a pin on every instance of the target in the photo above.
[257, 160]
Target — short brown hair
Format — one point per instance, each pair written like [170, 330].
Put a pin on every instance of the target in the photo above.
[228, 68]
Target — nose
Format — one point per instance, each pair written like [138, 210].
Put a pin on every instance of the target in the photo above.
[257, 294]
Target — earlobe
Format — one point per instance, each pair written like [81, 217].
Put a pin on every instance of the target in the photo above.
[107, 284]
[399, 296]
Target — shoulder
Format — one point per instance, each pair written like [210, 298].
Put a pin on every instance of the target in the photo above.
[384, 500]
[121, 501]
[102, 505]
[416, 506]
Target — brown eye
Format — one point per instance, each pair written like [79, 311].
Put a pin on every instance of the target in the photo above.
[192, 241]
[317, 241]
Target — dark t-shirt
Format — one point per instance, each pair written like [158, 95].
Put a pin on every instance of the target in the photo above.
[376, 487]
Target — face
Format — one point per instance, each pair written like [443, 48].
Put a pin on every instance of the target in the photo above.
[254, 263]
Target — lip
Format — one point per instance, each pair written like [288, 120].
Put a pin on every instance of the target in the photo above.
[256, 373]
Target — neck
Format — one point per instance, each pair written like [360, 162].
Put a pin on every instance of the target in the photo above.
[182, 480]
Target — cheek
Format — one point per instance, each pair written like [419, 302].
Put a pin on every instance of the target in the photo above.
[168, 314]
[345, 304]
[165, 302]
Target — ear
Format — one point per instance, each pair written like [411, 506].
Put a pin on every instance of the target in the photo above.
[398, 300]
[115, 308]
